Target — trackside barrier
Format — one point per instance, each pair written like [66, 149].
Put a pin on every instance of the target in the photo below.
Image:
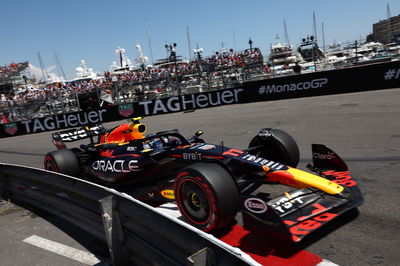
[135, 232]
[354, 79]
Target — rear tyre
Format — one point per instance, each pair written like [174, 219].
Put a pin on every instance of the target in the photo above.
[62, 161]
[207, 196]
[276, 145]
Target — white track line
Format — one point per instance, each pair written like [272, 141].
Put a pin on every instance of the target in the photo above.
[170, 209]
[63, 250]
[327, 263]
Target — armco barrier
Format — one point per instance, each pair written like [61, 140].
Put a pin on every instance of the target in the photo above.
[135, 232]
[354, 79]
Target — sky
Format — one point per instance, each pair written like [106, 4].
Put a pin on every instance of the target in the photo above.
[93, 30]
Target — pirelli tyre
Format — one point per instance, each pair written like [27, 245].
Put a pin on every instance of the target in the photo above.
[62, 161]
[276, 145]
[207, 196]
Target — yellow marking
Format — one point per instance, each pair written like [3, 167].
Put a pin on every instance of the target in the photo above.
[135, 119]
[168, 194]
[266, 168]
[287, 194]
[305, 179]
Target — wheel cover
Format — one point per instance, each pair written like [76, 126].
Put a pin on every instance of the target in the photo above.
[195, 201]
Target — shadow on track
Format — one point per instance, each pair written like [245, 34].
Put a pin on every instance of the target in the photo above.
[22, 153]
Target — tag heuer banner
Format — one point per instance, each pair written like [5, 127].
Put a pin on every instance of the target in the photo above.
[358, 78]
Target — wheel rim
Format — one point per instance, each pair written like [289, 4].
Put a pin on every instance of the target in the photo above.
[195, 201]
[50, 165]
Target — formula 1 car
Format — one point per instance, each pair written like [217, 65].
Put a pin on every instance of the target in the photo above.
[210, 183]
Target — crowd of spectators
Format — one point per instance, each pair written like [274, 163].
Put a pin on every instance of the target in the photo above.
[26, 94]
[216, 62]
[231, 59]
[12, 69]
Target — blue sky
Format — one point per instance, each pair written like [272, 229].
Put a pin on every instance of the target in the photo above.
[92, 30]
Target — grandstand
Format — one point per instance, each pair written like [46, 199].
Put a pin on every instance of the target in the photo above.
[12, 74]
[22, 98]
[14, 79]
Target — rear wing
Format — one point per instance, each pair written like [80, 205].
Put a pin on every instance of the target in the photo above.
[70, 135]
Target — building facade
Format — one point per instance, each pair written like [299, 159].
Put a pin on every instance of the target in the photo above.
[386, 31]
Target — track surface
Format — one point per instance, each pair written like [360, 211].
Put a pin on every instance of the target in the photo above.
[363, 128]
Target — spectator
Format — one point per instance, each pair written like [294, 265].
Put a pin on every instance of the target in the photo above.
[66, 92]
[297, 68]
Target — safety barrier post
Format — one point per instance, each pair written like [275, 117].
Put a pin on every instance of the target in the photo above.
[3, 187]
[204, 256]
[113, 230]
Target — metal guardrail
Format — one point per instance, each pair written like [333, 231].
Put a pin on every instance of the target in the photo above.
[135, 232]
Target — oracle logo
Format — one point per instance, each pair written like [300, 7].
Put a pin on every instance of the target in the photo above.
[255, 205]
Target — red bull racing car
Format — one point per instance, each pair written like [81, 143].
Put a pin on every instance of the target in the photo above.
[211, 183]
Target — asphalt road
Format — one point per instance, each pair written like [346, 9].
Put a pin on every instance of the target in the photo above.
[363, 128]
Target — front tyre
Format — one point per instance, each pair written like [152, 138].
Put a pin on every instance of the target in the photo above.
[62, 161]
[207, 196]
[276, 145]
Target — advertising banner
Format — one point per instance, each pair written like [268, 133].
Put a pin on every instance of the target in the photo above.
[345, 80]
